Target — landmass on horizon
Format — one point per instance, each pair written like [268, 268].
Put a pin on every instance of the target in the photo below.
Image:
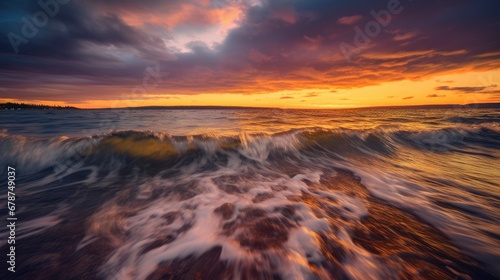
[24, 106]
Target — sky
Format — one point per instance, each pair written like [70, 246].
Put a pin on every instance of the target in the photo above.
[263, 53]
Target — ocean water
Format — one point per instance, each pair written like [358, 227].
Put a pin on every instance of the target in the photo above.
[254, 193]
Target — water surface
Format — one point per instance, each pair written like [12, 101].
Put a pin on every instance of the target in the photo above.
[255, 193]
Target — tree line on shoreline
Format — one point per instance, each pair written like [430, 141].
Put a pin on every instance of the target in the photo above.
[24, 106]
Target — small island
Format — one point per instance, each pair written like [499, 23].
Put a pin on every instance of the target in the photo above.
[24, 106]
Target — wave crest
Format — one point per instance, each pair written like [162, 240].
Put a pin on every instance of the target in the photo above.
[32, 154]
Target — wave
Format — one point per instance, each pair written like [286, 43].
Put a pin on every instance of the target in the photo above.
[480, 119]
[32, 154]
[307, 203]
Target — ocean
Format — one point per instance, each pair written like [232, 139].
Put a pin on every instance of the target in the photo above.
[383, 193]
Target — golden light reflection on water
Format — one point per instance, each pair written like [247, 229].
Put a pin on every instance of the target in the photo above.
[140, 148]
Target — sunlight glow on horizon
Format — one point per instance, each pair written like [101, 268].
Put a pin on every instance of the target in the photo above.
[400, 93]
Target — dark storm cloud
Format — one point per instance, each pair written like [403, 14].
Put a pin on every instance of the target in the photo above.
[79, 45]
[280, 44]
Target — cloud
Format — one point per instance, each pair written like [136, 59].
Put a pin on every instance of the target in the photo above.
[461, 89]
[350, 20]
[287, 97]
[435, 95]
[480, 89]
[408, 97]
[312, 94]
[405, 36]
[491, 92]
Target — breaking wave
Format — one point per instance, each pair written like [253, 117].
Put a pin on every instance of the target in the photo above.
[35, 153]
[302, 204]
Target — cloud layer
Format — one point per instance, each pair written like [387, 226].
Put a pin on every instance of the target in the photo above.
[99, 50]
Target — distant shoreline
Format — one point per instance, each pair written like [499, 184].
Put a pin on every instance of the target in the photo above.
[22, 106]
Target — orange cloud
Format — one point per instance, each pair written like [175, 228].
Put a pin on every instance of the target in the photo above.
[350, 20]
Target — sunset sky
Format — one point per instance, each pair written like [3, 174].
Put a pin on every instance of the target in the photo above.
[268, 53]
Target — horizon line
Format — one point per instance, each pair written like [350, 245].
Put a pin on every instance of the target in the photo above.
[222, 107]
